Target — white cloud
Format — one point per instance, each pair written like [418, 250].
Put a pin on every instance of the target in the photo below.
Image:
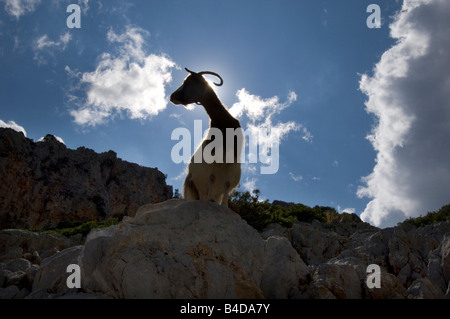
[250, 184]
[44, 46]
[44, 42]
[408, 93]
[13, 125]
[181, 176]
[306, 135]
[17, 8]
[256, 108]
[349, 210]
[260, 113]
[260, 129]
[250, 168]
[295, 178]
[256, 115]
[130, 82]
[59, 139]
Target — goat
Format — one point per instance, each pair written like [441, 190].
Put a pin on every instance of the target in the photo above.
[217, 180]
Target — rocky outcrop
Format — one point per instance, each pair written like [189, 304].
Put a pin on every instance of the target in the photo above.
[176, 249]
[198, 249]
[189, 249]
[23, 255]
[413, 260]
[45, 183]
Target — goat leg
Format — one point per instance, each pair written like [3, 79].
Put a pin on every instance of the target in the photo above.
[212, 180]
[226, 194]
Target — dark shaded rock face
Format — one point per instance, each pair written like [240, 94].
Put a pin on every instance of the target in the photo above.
[45, 183]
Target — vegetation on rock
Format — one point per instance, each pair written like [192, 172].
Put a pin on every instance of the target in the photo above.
[69, 228]
[259, 214]
[431, 218]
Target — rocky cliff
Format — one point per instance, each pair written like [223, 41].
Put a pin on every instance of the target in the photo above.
[187, 249]
[45, 183]
[198, 249]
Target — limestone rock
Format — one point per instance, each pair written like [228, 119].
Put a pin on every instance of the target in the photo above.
[177, 249]
[16, 243]
[315, 244]
[2, 275]
[423, 288]
[445, 257]
[198, 249]
[9, 292]
[391, 288]
[52, 274]
[45, 183]
[399, 250]
[284, 269]
[434, 271]
[20, 264]
[276, 230]
[188, 249]
[335, 281]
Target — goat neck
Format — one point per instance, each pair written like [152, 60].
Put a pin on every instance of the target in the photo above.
[217, 112]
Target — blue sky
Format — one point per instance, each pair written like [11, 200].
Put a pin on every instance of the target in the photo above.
[106, 85]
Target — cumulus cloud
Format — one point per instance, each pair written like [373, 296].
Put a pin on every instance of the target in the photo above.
[129, 82]
[409, 95]
[17, 8]
[260, 113]
[257, 108]
[13, 125]
[257, 117]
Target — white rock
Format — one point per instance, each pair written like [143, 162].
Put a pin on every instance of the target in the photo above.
[284, 269]
[188, 249]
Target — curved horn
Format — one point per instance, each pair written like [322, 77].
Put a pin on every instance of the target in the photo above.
[192, 72]
[209, 73]
[215, 74]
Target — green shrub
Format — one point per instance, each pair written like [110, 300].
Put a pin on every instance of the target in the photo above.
[259, 214]
[69, 228]
[431, 218]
